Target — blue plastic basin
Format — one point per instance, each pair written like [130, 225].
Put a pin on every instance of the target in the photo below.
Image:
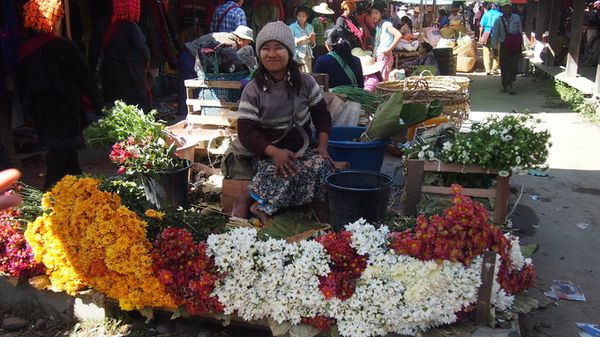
[361, 155]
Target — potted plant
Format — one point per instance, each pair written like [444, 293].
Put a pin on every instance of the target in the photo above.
[141, 147]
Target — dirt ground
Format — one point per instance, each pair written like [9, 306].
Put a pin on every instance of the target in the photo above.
[550, 208]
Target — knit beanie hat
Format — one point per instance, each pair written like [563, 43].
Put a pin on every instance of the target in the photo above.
[276, 31]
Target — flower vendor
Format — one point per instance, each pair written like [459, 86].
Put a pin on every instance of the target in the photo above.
[274, 119]
[54, 77]
[126, 58]
[386, 38]
[241, 37]
[342, 67]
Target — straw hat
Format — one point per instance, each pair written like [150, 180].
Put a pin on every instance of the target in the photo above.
[403, 8]
[323, 8]
[244, 33]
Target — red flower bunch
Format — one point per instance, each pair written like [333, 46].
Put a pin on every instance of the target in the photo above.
[185, 270]
[462, 233]
[320, 322]
[16, 257]
[144, 155]
[459, 235]
[346, 266]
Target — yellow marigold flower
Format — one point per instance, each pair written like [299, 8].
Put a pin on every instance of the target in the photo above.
[87, 238]
[154, 214]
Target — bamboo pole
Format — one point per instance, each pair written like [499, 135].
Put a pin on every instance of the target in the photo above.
[68, 19]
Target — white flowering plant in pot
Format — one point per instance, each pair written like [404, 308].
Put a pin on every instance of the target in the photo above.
[507, 144]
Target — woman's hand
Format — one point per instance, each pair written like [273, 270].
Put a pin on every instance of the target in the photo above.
[322, 150]
[388, 52]
[284, 161]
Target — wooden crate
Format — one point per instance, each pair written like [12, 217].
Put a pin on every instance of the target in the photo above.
[226, 107]
[414, 186]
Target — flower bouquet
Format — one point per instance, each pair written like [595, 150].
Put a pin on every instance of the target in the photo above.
[142, 147]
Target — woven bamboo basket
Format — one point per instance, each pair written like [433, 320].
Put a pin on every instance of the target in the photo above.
[453, 97]
[462, 81]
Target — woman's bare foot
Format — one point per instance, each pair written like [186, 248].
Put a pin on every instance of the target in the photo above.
[241, 206]
[262, 216]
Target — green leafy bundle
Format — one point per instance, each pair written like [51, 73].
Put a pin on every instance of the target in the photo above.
[122, 122]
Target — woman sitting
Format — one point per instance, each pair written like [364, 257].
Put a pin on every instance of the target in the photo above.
[274, 118]
[408, 41]
[425, 58]
[338, 63]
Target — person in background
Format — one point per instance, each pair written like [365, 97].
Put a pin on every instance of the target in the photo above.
[425, 58]
[126, 60]
[408, 41]
[455, 15]
[304, 35]
[242, 36]
[228, 17]
[352, 29]
[342, 67]
[415, 17]
[508, 23]
[442, 20]
[367, 25]
[386, 38]
[321, 23]
[406, 28]
[265, 11]
[490, 60]
[478, 14]
[274, 128]
[54, 78]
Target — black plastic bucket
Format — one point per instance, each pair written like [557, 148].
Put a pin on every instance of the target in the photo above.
[355, 194]
[168, 188]
[446, 61]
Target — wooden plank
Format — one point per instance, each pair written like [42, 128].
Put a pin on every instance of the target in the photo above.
[553, 29]
[597, 82]
[501, 202]
[435, 166]
[212, 103]
[541, 22]
[474, 192]
[189, 95]
[414, 181]
[195, 83]
[575, 40]
[210, 120]
[482, 311]
[531, 13]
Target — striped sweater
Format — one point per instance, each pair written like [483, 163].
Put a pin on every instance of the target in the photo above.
[264, 113]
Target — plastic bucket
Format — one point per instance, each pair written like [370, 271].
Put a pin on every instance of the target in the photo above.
[361, 155]
[446, 61]
[355, 194]
[169, 188]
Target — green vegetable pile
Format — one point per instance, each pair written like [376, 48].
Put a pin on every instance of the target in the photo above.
[368, 101]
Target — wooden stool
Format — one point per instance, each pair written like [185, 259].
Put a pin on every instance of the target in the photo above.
[414, 186]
